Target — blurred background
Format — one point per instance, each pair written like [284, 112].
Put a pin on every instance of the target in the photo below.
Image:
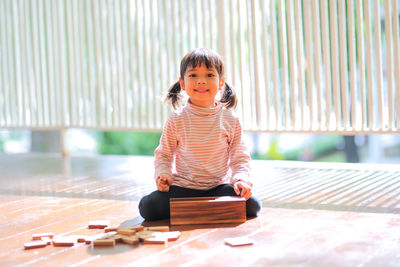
[376, 148]
[316, 80]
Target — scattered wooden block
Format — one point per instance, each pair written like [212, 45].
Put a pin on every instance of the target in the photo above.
[47, 240]
[144, 234]
[90, 239]
[161, 237]
[131, 240]
[64, 241]
[157, 238]
[100, 224]
[207, 210]
[117, 238]
[81, 238]
[173, 235]
[110, 234]
[129, 235]
[158, 228]
[126, 231]
[238, 241]
[110, 229]
[35, 244]
[39, 236]
[104, 242]
[136, 228]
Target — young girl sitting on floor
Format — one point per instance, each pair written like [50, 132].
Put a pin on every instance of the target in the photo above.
[201, 151]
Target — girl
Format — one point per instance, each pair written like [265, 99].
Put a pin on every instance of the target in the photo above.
[201, 151]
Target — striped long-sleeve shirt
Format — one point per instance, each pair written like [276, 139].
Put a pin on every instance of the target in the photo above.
[201, 148]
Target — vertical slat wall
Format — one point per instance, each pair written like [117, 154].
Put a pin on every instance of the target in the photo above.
[329, 66]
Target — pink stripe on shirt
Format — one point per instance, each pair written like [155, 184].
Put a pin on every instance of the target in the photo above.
[206, 146]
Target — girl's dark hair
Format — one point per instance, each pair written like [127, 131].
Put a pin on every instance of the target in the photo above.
[193, 59]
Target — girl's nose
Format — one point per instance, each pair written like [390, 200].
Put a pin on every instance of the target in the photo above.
[201, 81]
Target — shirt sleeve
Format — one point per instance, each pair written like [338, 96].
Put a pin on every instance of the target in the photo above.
[164, 153]
[239, 156]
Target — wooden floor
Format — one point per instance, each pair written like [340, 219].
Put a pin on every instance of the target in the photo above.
[313, 214]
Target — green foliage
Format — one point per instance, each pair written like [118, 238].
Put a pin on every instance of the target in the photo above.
[274, 150]
[325, 144]
[320, 146]
[338, 156]
[128, 143]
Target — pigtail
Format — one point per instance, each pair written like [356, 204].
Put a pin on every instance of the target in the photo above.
[229, 97]
[174, 95]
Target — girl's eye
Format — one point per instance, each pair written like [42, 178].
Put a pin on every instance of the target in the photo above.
[210, 75]
[192, 75]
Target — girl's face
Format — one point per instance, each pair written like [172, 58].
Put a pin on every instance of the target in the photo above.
[202, 85]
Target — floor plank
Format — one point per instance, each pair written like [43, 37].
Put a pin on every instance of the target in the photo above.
[313, 215]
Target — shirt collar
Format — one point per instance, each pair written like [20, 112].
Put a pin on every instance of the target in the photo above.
[200, 111]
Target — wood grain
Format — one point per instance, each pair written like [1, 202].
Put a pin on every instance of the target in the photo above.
[40, 193]
[207, 210]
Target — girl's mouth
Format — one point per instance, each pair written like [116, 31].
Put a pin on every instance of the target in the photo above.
[201, 90]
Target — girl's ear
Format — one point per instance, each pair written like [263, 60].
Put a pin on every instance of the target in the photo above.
[182, 83]
[221, 83]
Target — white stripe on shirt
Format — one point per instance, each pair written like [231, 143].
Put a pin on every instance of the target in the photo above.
[206, 145]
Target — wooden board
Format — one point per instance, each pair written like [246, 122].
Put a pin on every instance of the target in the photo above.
[207, 210]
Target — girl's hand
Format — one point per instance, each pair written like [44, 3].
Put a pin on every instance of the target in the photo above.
[163, 183]
[242, 189]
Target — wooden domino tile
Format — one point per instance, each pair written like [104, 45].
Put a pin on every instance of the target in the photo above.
[117, 238]
[104, 242]
[126, 231]
[161, 237]
[238, 241]
[157, 238]
[35, 244]
[47, 240]
[131, 240]
[158, 228]
[100, 224]
[39, 236]
[110, 234]
[64, 241]
[173, 235]
[136, 228]
[110, 229]
[90, 239]
[145, 234]
[81, 238]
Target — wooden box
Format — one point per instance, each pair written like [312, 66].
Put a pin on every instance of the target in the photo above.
[207, 210]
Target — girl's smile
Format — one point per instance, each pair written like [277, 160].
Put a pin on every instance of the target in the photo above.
[201, 90]
[202, 84]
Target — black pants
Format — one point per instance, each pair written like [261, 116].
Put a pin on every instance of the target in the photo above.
[155, 206]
